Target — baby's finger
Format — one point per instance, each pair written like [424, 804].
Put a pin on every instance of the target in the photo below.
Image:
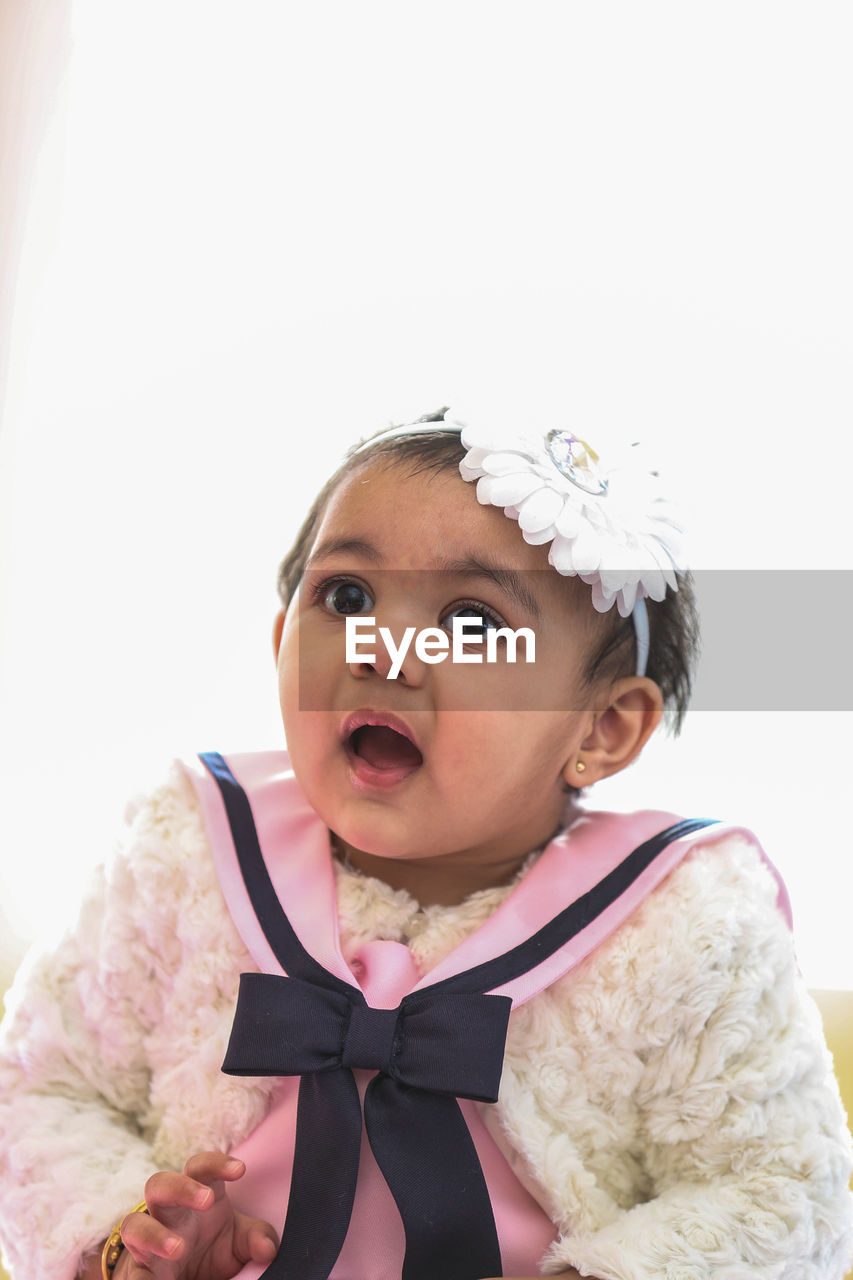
[166, 1190]
[214, 1166]
[145, 1238]
[254, 1239]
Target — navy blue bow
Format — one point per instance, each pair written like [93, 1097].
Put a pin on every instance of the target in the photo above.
[434, 1048]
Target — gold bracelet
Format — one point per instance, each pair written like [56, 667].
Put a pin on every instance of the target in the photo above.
[114, 1246]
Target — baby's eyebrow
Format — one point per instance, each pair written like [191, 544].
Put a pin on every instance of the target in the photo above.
[508, 580]
[345, 546]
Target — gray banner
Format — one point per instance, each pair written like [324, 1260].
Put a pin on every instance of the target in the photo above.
[775, 640]
[772, 640]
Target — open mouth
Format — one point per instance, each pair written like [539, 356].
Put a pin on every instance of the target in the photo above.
[384, 748]
[381, 754]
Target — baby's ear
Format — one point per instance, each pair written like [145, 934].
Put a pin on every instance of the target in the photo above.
[620, 731]
[277, 628]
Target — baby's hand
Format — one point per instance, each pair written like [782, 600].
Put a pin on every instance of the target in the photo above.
[191, 1230]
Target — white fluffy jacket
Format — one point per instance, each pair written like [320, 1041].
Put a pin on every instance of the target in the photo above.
[670, 1102]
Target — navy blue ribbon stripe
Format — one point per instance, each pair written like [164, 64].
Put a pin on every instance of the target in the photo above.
[571, 920]
[279, 932]
[297, 962]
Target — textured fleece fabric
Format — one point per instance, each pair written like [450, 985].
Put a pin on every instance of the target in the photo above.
[670, 1102]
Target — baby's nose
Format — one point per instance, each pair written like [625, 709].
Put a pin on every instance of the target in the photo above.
[389, 649]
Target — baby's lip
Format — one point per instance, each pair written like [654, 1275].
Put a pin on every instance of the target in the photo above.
[367, 716]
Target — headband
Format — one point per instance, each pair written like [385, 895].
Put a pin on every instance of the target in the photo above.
[612, 528]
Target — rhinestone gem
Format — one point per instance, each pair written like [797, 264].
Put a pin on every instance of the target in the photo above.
[574, 459]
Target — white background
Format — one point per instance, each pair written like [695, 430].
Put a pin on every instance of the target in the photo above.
[238, 236]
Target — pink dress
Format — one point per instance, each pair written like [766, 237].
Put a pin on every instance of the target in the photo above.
[466, 1214]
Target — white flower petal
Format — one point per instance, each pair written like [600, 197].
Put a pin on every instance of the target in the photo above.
[471, 466]
[539, 510]
[596, 514]
[540, 537]
[512, 490]
[484, 495]
[613, 579]
[586, 550]
[505, 463]
[659, 556]
[670, 538]
[555, 481]
[671, 560]
[665, 530]
[602, 601]
[634, 565]
[478, 436]
[653, 582]
[626, 599]
[560, 556]
[568, 522]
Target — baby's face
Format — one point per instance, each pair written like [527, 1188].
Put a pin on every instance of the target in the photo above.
[456, 762]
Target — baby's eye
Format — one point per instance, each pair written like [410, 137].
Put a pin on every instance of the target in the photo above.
[345, 597]
[487, 618]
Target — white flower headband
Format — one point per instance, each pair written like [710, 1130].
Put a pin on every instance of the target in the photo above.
[613, 529]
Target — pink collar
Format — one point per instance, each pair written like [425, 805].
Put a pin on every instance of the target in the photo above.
[297, 853]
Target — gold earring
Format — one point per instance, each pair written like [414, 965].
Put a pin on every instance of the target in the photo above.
[580, 766]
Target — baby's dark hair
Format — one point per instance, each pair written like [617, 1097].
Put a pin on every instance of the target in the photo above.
[673, 621]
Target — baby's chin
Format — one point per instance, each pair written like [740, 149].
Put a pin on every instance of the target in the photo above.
[360, 844]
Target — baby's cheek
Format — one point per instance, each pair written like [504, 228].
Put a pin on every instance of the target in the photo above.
[470, 738]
